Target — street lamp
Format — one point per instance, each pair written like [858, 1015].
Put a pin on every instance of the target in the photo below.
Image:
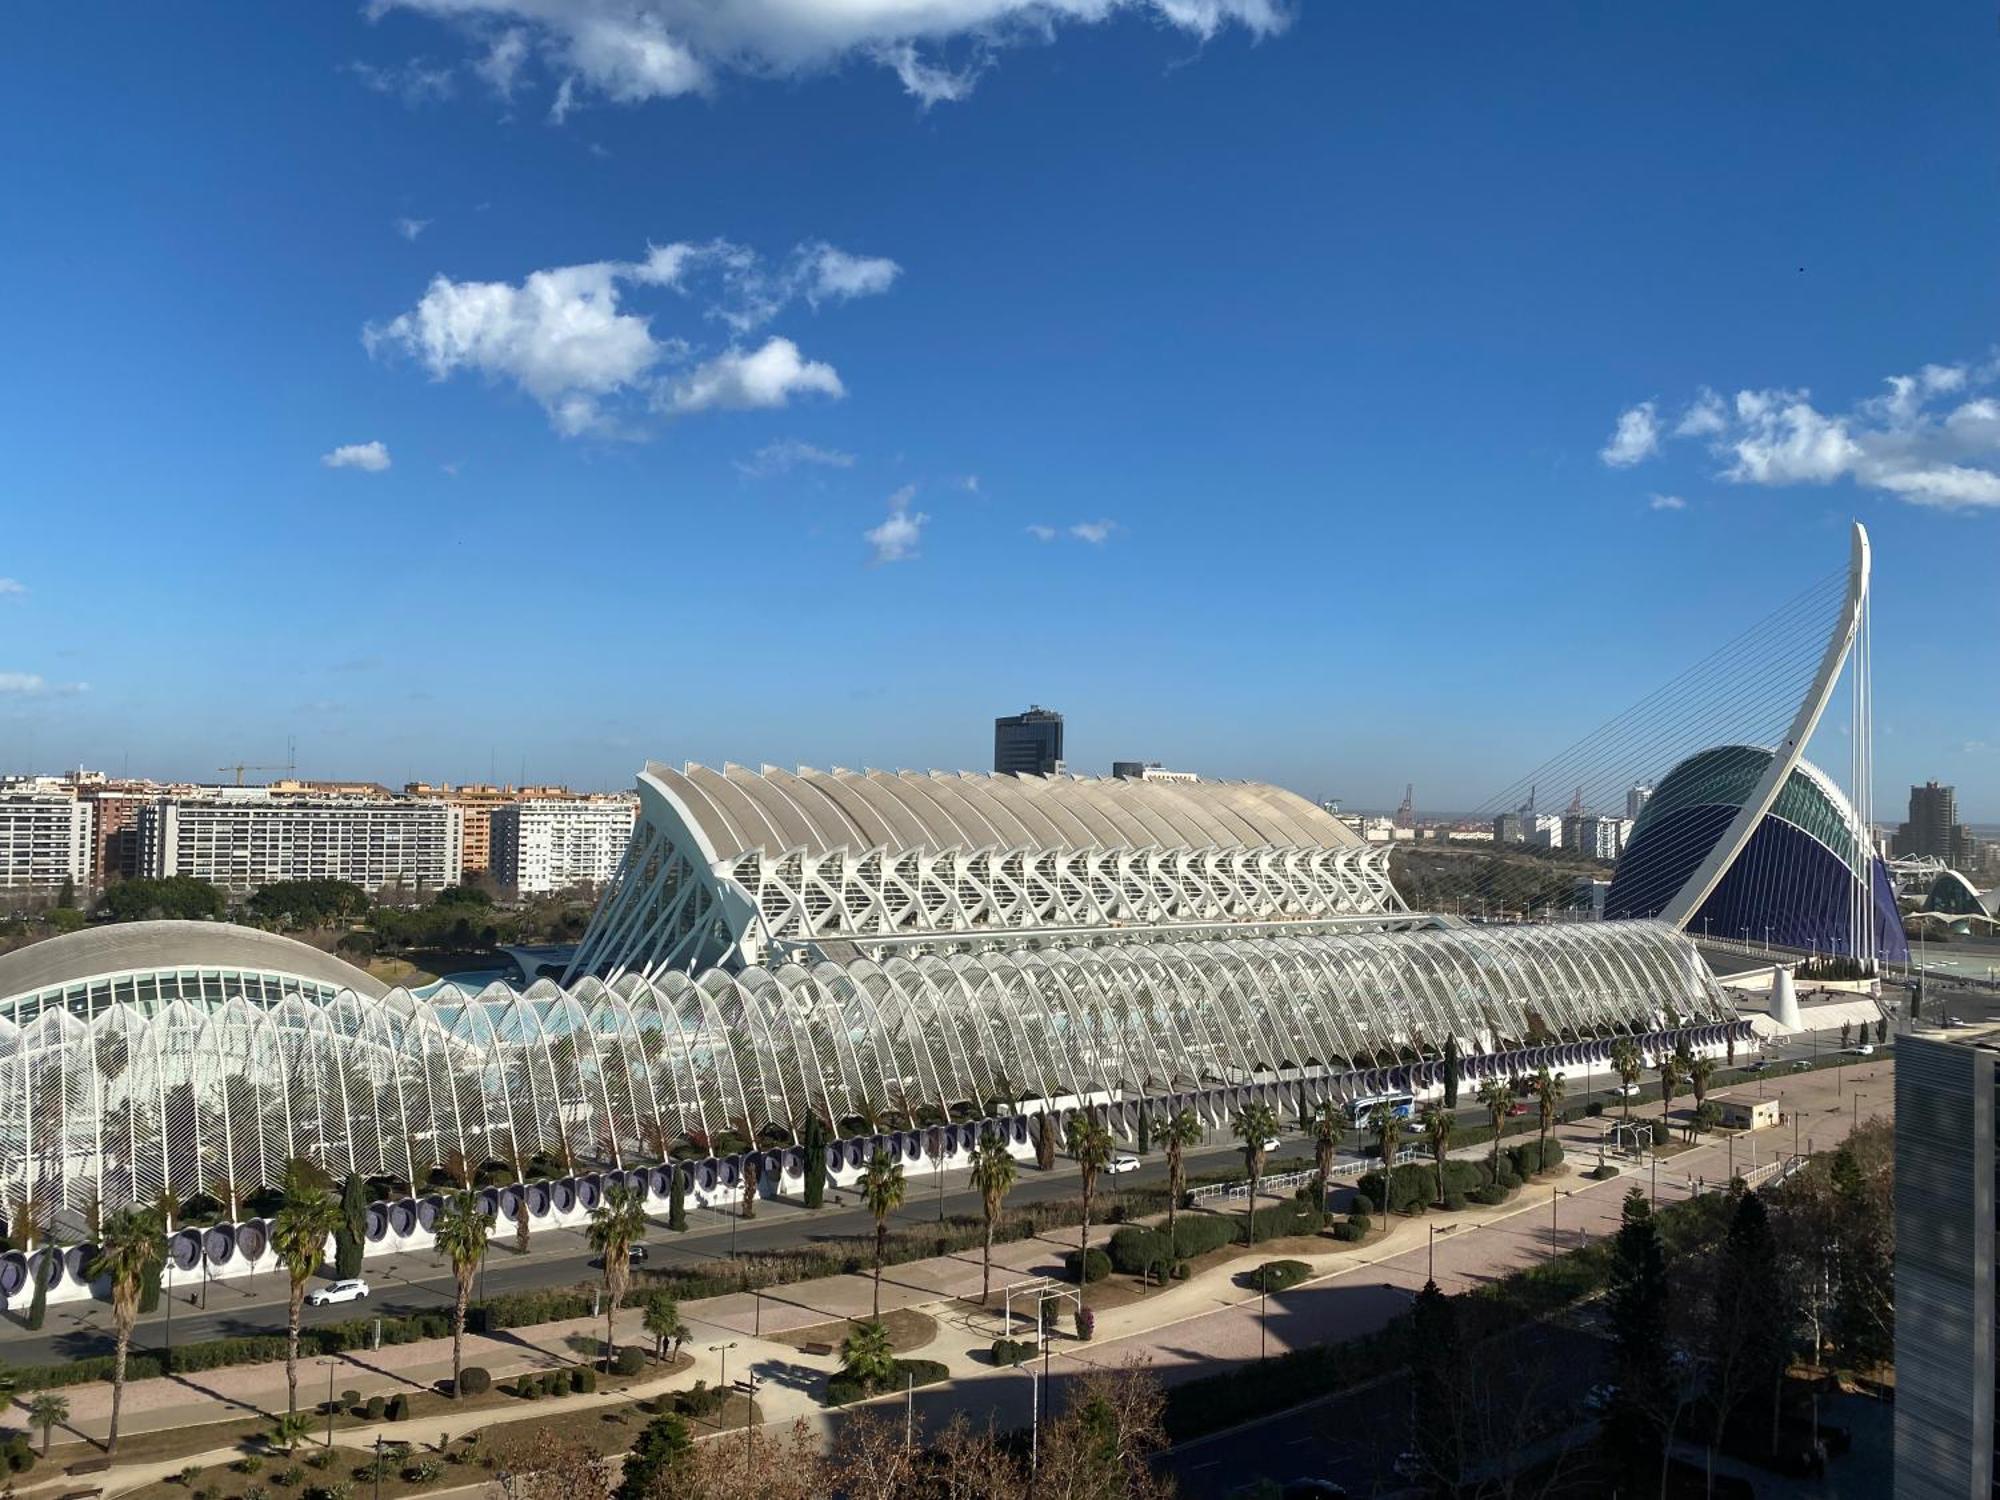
[332, 1363]
[722, 1380]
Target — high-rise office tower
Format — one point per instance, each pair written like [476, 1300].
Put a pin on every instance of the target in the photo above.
[1030, 743]
[1933, 829]
[1636, 797]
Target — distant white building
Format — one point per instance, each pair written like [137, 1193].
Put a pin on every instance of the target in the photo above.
[241, 838]
[551, 844]
[1150, 770]
[1636, 798]
[44, 840]
[1596, 837]
[1542, 831]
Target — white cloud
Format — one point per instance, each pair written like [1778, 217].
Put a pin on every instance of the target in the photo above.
[567, 338]
[1097, 533]
[372, 458]
[414, 82]
[23, 683]
[1927, 439]
[969, 483]
[1666, 502]
[409, 229]
[786, 454]
[628, 51]
[896, 539]
[1043, 533]
[12, 586]
[768, 376]
[1636, 437]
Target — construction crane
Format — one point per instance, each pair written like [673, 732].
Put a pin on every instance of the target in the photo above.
[290, 765]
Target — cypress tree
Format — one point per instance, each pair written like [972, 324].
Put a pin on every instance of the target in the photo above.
[812, 1139]
[1145, 1130]
[1436, 1367]
[1045, 1142]
[351, 1236]
[38, 1305]
[1451, 1072]
[1634, 1425]
[677, 1202]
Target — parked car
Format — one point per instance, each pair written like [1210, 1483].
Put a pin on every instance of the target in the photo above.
[1802, 1065]
[1272, 1144]
[1757, 1065]
[636, 1255]
[1866, 1049]
[354, 1289]
[1516, 1108]
[1122, 1161]
[1626, 1090]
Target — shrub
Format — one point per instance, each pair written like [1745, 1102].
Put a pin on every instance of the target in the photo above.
[1455, 1202]
[703, 1401]
[629, 1360]
[555, 1383]
[1526, 1159]
[583, 1380]
[844, 1388]
[1181, 1270]
[474, 1380]
[254, 1492]
[186, 1476]
[209, 1491]
[249, 1463]
[1096, 1266]
[339, 1490]
[288, 1476]
[528, 1387]
[1492, 1196]
[1505, 1176]
[377, 1405]
[1012, 1351]
[1352, 1232]
[19, 1454]
[1362, 1206]
[1552, 1155]
[1594, 1108]
[424, 1471]
[1086, 1323]
[1603, 1172]
[321, 1458]
[398, 1409]
[1282, 1219]
[1279, 1275]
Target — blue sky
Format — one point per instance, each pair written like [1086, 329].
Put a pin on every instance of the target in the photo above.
[1294, 391]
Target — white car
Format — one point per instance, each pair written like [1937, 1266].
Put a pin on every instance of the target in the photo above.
[352, 1290]
[1123, 1161]
[1866, 1049]
[1626, 1090]
[1272, 1144]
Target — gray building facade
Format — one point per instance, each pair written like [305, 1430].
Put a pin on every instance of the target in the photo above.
[1029, 744]
[1945, 1196]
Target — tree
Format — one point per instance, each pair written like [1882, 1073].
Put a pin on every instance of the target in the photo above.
[1045, 1141]
[1143, 1142]
[48, 1410]
[1103, 1445]
[812, 1141]
[1629, 1064]
[881, 1187]
[993, 1173]
[1493, 1094]
[175, 896]
[1328, 1126]
[1699, 1071]
[351, 1237]
[1846, 1031]
[616, 1225]
[1388, 1140]
[299, 1232]
[127, 1253]
[752, 1173]
[1672, 1075]
[1182, 1130]
[1437, 1358]
[1748, 1336]
[1090, 1147]
[761, 1466]
[1638, 1304]
[1438, 1126]
[289, 1430]
[663, 1321]
[868, 1356]
[677, 1199]
[1548, 1097]
[460, 1232]
[1451, 1072]
[662, 1448]
[1863, 1323]
[1253, 1126]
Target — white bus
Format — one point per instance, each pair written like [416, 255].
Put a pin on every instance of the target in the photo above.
[1362, 1110]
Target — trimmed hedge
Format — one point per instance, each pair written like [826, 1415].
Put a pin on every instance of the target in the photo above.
[843, 1388]
[629, 1360]
[1352, 1232]
[1279, 1275]
[1012, 1351]
[1281, 1219]
[474, 1380]
[1096, 1266]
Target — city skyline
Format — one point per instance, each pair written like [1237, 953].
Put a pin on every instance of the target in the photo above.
[941, 354]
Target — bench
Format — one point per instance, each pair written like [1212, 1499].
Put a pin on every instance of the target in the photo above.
[823, 1350]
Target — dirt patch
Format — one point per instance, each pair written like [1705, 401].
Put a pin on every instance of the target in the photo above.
[908, 1329]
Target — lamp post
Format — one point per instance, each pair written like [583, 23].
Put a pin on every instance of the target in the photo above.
[378, 1466]
[722, 1379]
[332, 1364]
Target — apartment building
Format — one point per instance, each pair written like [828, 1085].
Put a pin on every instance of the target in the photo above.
[45, 838]
[551, 844]
[241, 838]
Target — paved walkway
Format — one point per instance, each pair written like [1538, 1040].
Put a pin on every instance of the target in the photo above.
[1182, 1330]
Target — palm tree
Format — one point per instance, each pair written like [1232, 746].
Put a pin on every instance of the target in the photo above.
[1090, 1146]
[882, 1190]
[663, 1322]
[868, 1356]
[1548, 1094]
[1438, 1126]
[993, 1173]
[1493, 1093]
[1388, 1137]
[616, 1225]
[299, 1232]
[48, 1411]
[1181, 1131]
[288, 1431]
[128, 1253]
[1253, 1126]
[1625, 1059]
[1672, 1075]
[1699, 1071]
[460, 1232]
[1328, 1126]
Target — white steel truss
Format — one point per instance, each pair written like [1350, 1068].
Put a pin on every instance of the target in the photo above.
[105, 1100]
